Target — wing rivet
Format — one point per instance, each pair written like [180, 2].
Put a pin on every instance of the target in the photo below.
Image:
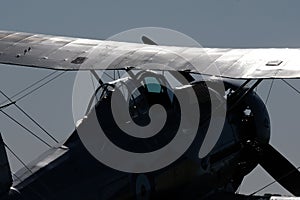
[18, 55]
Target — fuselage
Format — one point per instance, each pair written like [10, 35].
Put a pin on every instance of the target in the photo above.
[71, 172]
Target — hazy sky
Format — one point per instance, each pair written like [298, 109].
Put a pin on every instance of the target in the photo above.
[213, 23]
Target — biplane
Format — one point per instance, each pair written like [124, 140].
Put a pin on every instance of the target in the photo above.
[69, 171]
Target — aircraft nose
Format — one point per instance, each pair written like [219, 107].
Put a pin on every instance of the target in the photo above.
[261, 117]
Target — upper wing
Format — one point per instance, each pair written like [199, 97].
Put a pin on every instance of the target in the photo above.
[64, 53]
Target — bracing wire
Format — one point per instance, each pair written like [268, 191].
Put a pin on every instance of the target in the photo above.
[291, 86]
[17, 157]
[25, 95]
[275, 181]
[269, 92]
[25, 128]
[22, 162]
[34, 121]
[35, 89]
[29, 117]
[30, 86]
[7, 105]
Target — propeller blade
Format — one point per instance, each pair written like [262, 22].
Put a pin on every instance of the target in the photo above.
[280, 169]
[147, 40]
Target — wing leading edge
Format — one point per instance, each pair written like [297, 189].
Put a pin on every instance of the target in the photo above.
[65, 53]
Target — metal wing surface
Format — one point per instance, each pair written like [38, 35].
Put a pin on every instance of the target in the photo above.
[66, 53]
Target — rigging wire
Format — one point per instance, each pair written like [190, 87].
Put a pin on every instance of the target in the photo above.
[17, 157]
[7, 105]
[31, 132]
[35, 89]
[20, 180]
[291, 86]
[30, 86]
[25, 95]
[269, 92]
[23, 163]
[275, 181]
[25, 128]
[29, 117]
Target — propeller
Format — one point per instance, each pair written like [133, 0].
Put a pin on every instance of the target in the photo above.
[282, 170]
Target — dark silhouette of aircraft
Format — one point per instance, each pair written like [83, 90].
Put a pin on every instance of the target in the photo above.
[70, 171]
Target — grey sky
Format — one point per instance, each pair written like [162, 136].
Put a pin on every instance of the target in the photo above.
[213, 23]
